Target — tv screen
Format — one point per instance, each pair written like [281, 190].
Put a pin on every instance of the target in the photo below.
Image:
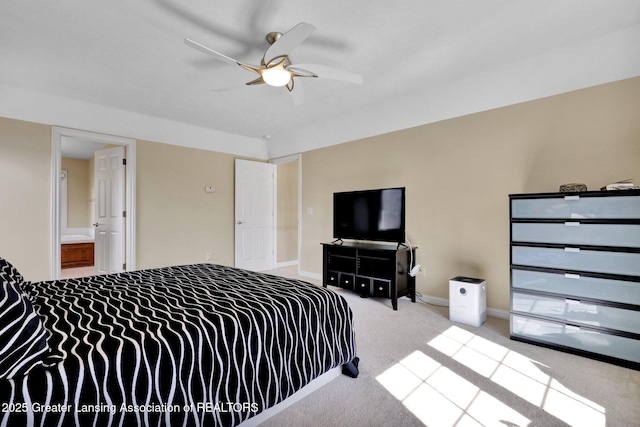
[370, 215]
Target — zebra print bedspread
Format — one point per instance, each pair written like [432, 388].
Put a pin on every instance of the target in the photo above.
[188, 345]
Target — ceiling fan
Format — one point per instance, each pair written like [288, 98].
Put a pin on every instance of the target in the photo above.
[275, 68]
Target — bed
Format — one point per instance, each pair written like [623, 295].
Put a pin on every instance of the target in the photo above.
[187, 345]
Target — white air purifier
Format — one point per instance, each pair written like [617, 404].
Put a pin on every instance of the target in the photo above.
[467, 300]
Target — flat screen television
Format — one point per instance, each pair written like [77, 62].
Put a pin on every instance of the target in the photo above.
[370, 215]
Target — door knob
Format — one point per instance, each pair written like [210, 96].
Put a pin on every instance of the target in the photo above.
[95, 224]
[239, 222]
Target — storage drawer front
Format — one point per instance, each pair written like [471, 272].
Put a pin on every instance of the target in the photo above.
[363, 284]
[575, 207]
[578, 286]
[381, 288]
[574, 311]
[572, 232]
[581, 339]
[333, 278]
[623, 263]
[346, 280]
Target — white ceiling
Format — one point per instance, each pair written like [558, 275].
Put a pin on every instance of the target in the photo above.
[77, 148]
[121, 67]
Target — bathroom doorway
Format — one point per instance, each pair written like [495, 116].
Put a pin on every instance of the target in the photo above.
[76, 230]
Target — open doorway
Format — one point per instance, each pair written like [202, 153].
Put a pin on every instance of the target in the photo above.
[77, 207]
[70, 143]
[287, 197]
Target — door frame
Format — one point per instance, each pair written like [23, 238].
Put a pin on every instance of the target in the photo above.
[57, 133]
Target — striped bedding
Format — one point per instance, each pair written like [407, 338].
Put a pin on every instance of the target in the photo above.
[196, 345]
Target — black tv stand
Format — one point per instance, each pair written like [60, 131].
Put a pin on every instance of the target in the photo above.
[370, 269]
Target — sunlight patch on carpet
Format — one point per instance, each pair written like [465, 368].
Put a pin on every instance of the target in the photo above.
[437, 396]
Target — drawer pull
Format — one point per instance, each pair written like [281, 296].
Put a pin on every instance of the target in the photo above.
[572, 250]
[570, 301]
[572, 224]
[572, 197]
[571, 328]
[571, 276]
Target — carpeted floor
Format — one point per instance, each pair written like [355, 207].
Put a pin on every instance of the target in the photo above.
[418, 368]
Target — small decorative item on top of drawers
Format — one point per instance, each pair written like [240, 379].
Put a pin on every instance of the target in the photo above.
[573, 188]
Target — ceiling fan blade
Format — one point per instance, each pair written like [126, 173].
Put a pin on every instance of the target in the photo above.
[289, 41]
[208, 51]
[324, 72]
[298, 94]
[257, 81]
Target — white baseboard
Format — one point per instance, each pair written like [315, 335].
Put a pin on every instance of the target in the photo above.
[497, 313]
[444, 302]
[315, 276]
[286, 264]
[441, 302]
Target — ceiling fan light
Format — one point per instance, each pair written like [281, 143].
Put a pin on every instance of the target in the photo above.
[276, 77]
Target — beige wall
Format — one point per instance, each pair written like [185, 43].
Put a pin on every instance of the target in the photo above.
[25, 201]
[459, 173]
[177, 221]
[287, 219]
[79, 193]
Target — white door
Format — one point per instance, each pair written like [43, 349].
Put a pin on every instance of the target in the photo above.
[254, 216]
[109, 210]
